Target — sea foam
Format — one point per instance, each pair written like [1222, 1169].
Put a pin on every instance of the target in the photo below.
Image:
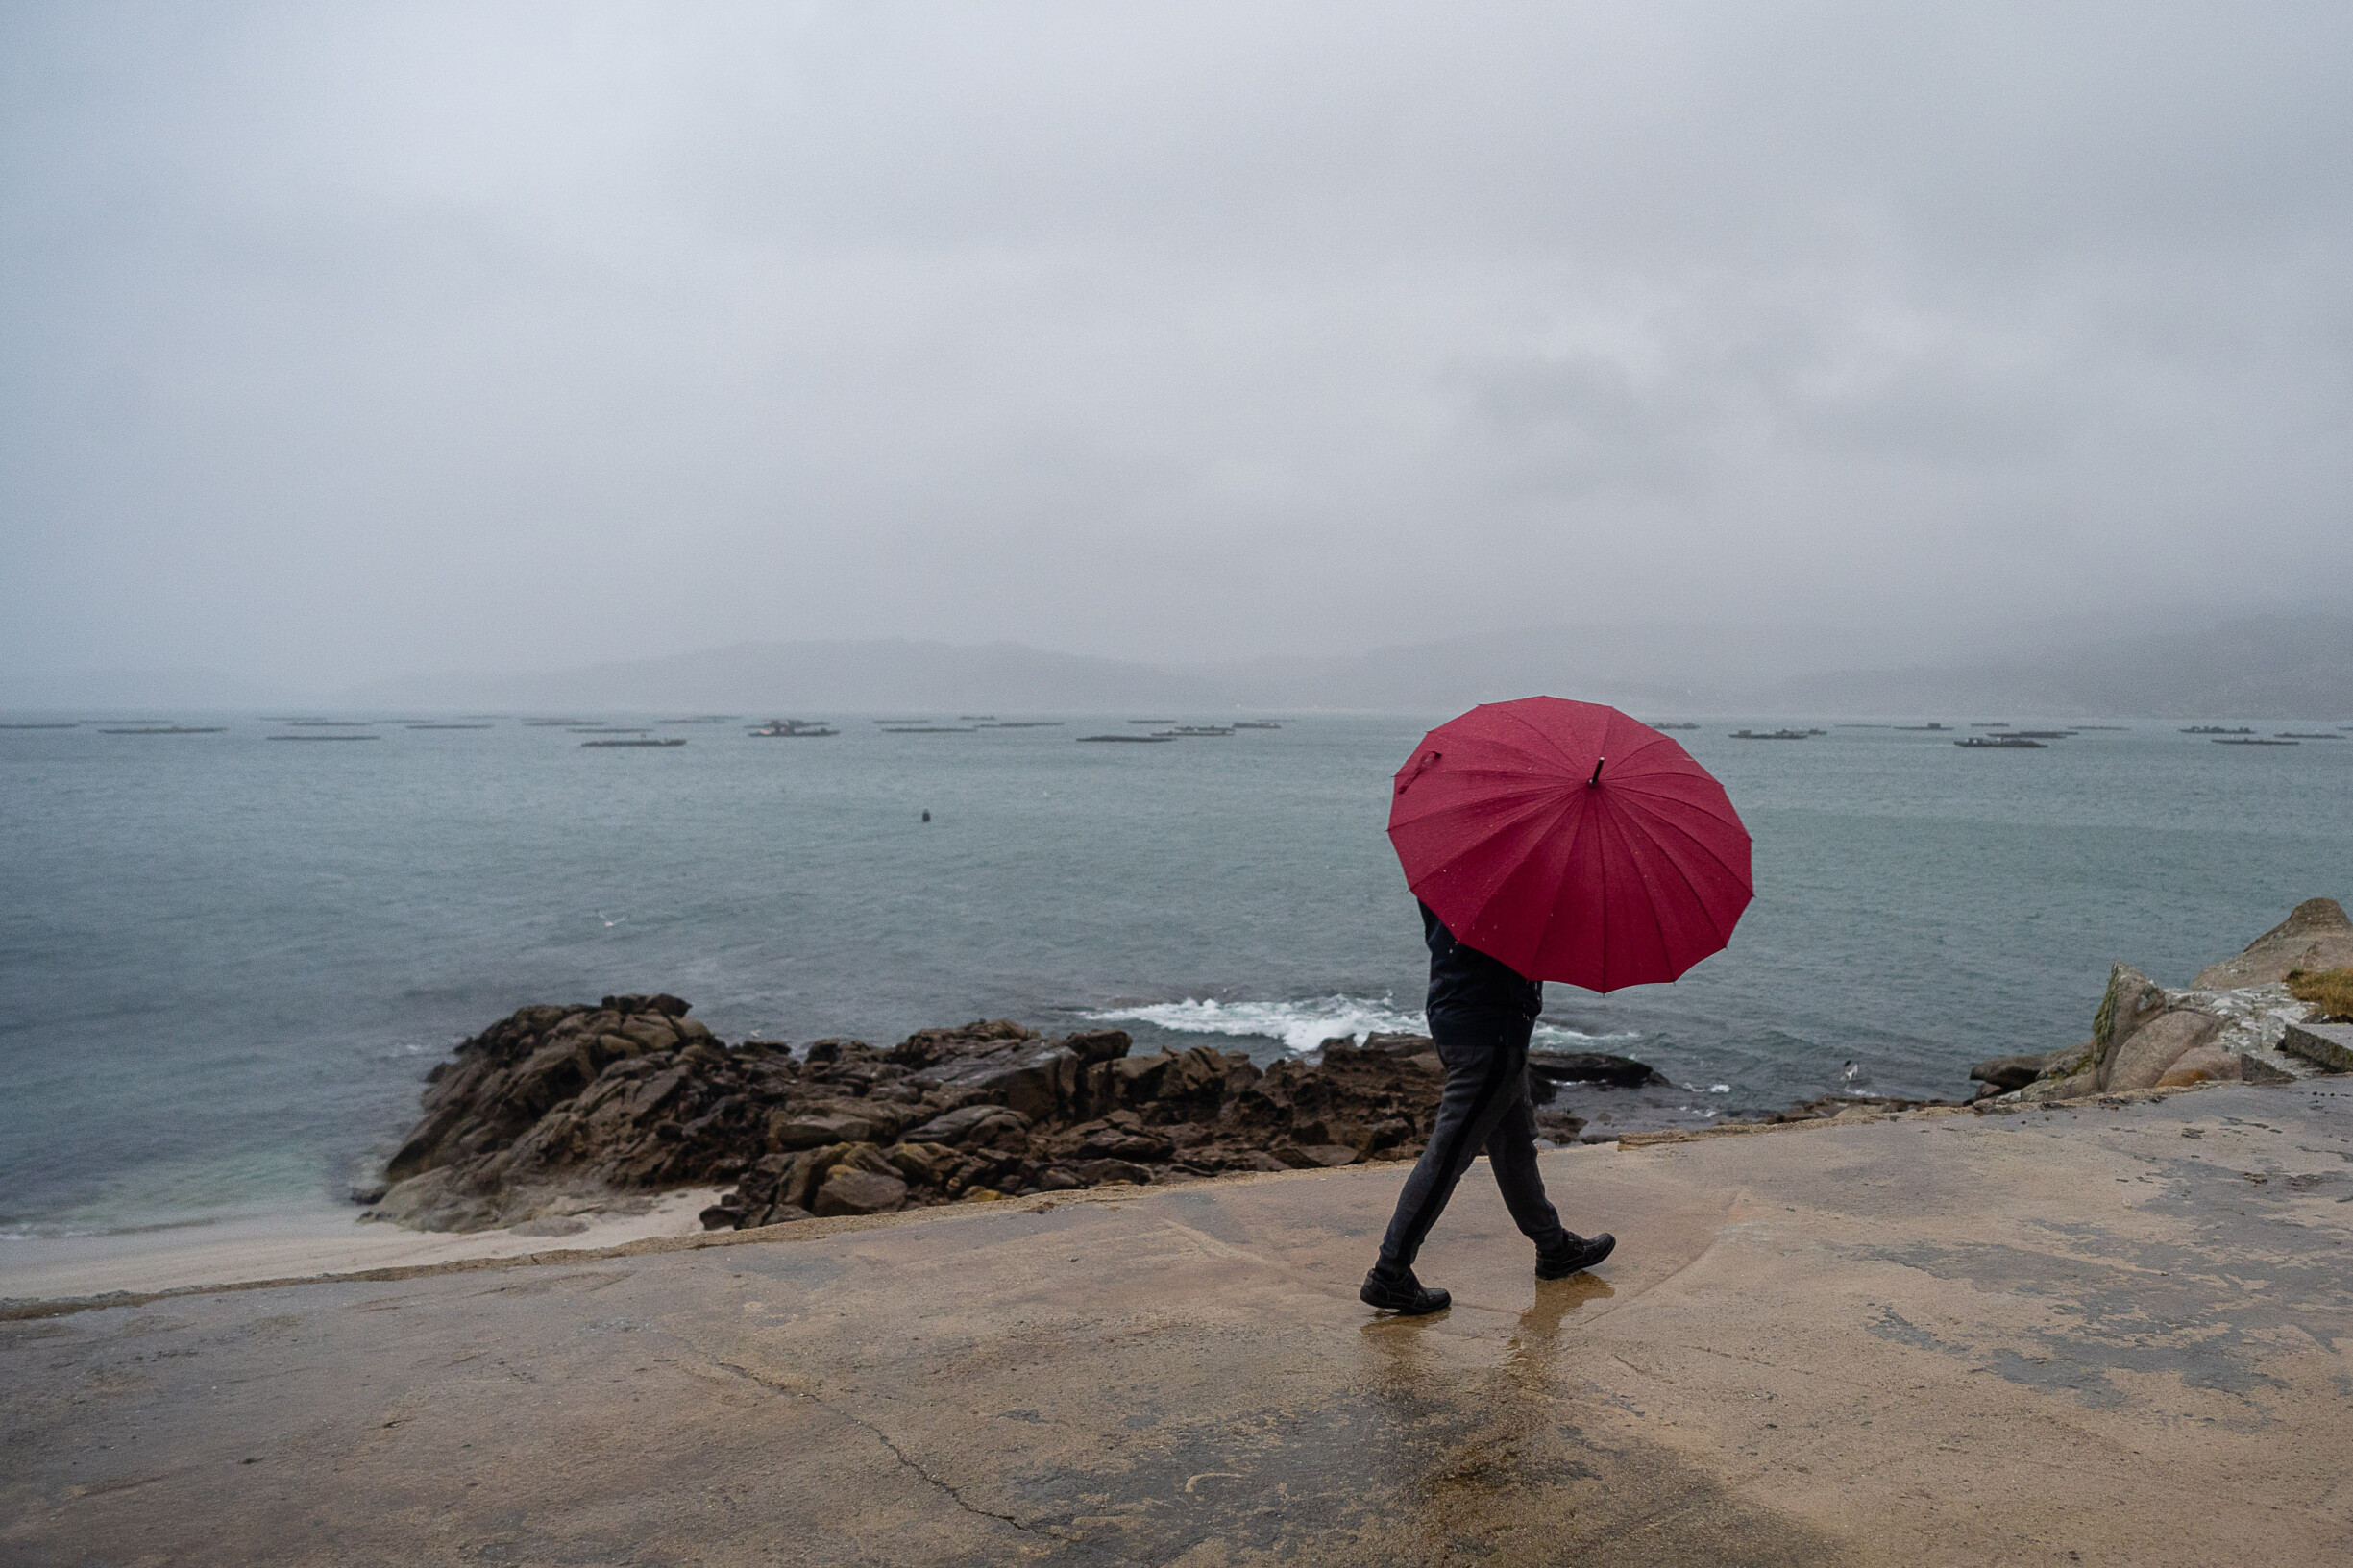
[1304, 1025]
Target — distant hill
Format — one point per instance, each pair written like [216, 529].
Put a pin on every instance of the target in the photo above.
[2284, 667]
[2278, 667]
[893, 675]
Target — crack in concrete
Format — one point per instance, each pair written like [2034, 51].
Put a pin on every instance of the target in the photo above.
[953, 1494]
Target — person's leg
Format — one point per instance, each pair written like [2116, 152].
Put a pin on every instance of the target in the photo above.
[1481, 1070]
[1511, 1154]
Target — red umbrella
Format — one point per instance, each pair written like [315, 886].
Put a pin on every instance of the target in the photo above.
[1571, 842]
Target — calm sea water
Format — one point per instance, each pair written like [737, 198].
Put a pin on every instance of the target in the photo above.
[227, 961]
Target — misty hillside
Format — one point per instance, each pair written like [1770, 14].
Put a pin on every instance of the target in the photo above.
[2287, 667]
[2283, 667]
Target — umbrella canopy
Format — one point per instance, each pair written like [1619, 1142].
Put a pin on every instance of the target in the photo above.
[1571, 842]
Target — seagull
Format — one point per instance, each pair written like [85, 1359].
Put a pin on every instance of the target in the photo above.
[610, 921]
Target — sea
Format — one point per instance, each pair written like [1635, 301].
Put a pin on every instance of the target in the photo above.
[228, 959]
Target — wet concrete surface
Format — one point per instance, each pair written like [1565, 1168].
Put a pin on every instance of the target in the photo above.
[2101, 1336]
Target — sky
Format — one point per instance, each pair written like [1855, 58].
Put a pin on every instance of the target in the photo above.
[342, 341]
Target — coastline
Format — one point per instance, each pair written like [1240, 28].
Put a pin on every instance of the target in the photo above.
[573, 1129]
[293, 1242]
[283, 1247]
[1874, 1344]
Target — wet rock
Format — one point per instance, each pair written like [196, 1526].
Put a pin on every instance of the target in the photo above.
[1037, 1078]
[633, 1096]
[985, 1125]
[928, 1047]
[660, 1005]
[853, 1191]
[926, 1164]
[1592, 1068]
[810, 1127]
[2002, 1073]
[1097, 1172]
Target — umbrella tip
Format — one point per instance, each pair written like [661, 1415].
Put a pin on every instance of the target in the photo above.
[1596, 771]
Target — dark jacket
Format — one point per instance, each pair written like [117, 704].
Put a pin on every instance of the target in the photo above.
[1468, 987]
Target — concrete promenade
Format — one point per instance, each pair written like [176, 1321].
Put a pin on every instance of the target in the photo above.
[2116, 1333]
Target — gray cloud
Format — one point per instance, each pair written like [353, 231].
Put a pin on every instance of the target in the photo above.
[341, 342]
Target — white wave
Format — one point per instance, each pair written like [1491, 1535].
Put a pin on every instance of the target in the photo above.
[1303, 1026]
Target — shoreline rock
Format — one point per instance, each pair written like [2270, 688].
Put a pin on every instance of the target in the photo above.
[2231, 1023]
[553, 1105]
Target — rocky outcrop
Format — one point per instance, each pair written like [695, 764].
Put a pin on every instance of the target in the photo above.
[2000, 1075]
[2156, 1045]
[1038, 1115]
[553, 1106]
[2132, 999]
[1550, 1069]
[2230, 1023]
[2316, 935]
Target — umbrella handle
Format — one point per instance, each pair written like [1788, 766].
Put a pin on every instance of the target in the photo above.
[1597, 772]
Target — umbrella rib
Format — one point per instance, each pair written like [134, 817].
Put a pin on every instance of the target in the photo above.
[1656, 819]
[1568, 844]
[1554, 752]
[1516, 826]
[1699, 900]
[1659, 831]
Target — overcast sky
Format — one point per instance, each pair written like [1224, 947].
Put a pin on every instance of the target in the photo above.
[342, 340]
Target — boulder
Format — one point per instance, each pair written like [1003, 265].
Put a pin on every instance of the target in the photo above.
[973, 1125]
[667, 1006]
[1037, 1078]
[925, 1165]
[2316, 935]
[2328, 1046]
[1392, 1045]
[1592, 1068]
[1098, 1044]
[1098, 1172]
[2132, 999]
[852, 1191]
[2202, 1064]
[2058, 1086]
[1181, 1086]
[927, 1047]
[2003, 1073]
[2156, 1045]
[812, 1127]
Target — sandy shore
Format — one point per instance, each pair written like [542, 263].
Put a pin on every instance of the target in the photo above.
[298, 1243]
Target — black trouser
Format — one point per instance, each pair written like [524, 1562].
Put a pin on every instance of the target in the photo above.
[1485, 1105]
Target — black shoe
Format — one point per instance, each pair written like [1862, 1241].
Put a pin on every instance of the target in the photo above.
[1406, 1297]
[1577, 1255]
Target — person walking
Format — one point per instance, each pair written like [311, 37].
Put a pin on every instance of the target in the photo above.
[1546, 839]
[1481, 1012]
